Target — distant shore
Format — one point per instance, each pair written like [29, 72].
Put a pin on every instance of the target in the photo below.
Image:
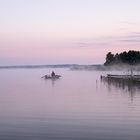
[99, 67]
[36, 66]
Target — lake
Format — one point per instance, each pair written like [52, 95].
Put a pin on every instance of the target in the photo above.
[78, 106]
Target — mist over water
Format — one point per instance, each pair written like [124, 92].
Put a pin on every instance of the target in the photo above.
[77, 106]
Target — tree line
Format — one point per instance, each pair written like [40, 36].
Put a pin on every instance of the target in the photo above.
[131, 57]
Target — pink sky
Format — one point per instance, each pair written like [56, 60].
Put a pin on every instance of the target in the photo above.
[57, 32]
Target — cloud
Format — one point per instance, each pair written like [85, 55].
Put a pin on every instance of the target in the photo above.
[132, 37]
[128, 23]
[137, 33]
[130, 40]
[90, 44]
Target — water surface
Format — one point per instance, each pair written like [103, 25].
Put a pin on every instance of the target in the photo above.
[79, 106]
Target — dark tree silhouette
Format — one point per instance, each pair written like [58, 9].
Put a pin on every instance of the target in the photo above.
[131, 57]
[109, 59]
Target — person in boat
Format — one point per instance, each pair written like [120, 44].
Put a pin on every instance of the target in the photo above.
[52, 74]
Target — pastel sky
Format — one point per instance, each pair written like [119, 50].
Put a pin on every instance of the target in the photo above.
[67, 31]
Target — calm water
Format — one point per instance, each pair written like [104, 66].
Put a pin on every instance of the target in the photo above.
[77, 107]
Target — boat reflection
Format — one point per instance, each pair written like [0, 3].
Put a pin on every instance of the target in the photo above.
[52, 81]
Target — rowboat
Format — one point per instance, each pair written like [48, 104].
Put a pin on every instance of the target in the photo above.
[51, 77]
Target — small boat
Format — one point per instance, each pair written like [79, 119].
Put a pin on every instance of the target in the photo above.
[51, 77]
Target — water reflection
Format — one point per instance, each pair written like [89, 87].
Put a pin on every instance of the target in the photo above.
[75, 107]
[52, 81]
[126, 86]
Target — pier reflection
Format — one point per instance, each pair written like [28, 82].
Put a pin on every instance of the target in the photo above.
[126, 86]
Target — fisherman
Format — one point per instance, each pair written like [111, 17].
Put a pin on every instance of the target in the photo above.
[52, 74]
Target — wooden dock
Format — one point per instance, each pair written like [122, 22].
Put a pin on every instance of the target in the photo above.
[133, 78]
